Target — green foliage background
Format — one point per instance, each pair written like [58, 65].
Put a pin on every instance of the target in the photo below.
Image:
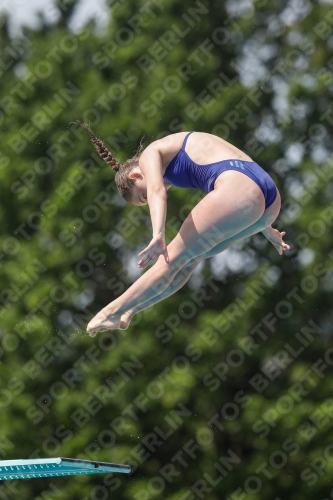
[67, 239]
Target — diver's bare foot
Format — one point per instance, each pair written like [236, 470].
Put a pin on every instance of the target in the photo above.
[103, 321]
[125, 320]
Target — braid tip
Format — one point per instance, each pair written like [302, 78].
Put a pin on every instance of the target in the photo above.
[85, 126]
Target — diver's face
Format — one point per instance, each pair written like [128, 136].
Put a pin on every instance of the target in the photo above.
[139, 191]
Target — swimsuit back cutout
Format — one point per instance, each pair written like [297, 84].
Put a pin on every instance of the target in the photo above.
[183, 172]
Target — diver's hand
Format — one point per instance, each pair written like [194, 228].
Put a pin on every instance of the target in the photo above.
[156, 247]
[276, 238]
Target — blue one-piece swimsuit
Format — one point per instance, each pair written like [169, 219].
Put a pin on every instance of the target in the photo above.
[185, 173]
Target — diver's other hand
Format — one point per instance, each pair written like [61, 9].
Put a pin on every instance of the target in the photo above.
[276, 238]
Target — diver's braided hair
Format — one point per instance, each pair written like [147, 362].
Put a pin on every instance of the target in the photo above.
[123, 182]
[101, 149]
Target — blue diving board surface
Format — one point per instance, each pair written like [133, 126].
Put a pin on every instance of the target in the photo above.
[46, 467]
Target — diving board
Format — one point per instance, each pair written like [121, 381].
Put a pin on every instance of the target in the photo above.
[47, 467]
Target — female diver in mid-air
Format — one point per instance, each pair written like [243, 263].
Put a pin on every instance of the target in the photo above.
[241, 200]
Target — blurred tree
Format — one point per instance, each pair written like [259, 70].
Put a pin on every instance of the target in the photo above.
[227, 397]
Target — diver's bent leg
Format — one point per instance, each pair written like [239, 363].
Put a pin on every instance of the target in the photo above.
[186, 272]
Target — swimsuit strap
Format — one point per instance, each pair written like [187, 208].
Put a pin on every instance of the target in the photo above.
[185, 140]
